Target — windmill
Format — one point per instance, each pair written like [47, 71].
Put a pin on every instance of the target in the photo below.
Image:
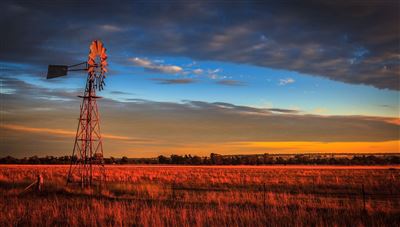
[87, 164]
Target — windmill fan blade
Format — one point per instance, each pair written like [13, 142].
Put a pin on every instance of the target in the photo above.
[91, 61]
[56, 71]
[103, 51]
[99, 46]
[92, 55]
[93, 48]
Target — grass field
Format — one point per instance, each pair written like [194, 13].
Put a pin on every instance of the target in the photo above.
[205, 196]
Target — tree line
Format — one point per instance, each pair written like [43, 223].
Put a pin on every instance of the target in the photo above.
[217, 159]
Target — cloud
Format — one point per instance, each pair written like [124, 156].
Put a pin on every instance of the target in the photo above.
[197, 71]
[239, 109]
[278, 110]
[57, 132]
[214, 74]
[286, 81]
[192, 118]
[30, 91]
[231, 83]
[156, 127]
[320, 147]
[110, 28]
[197, 121]
[357, 43]
[156, 67]
[320, 110]
[121, 93]
[174, 81]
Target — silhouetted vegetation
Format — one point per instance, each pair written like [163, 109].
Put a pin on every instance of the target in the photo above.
[217, 159]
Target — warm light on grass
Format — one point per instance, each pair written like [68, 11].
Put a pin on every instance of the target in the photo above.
[205, 196]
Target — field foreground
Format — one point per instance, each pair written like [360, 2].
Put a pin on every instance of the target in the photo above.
[205, 196]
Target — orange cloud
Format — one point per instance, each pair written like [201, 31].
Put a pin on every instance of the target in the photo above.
[395, 121]
[133, 147]
[60, 132]
[324, 147]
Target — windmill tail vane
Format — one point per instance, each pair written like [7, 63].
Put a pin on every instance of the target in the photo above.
[87, 164]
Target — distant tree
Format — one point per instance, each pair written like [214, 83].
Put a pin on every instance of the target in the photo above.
[280, 160]
[34, 160]
[177, 159]
[393, 160]
[124, 160]
[163, 160]
[252, 160]
[196, 160]
[206, 161]
[216, 159]
[8, 160]
[112, 160]
[187, 159]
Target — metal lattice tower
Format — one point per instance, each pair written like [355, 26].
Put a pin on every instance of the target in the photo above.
[87, 164]
[88, 145]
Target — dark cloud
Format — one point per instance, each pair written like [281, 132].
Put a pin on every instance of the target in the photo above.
[351, 41]
[387, 106]
[173, 81]
[227, 107]
[277, 110]
[194, 121]
[121, 93]
[231, 83]
[29, 91]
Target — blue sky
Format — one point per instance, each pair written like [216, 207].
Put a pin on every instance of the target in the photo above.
[259, 87]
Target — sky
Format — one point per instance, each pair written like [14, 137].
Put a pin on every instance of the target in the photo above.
[196, 77]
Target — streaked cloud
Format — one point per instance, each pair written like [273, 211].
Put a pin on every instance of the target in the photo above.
[192, 121]
[278, 110]
[149, 128]
[286, 81]
[56, 132]
[121, 93]
[156, 67]
[231, 82]
[110, 28]
[160, 66]
[197, 71]
[174, 81]
[321, 147]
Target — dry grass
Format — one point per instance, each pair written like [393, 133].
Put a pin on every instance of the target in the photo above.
[205, 196]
